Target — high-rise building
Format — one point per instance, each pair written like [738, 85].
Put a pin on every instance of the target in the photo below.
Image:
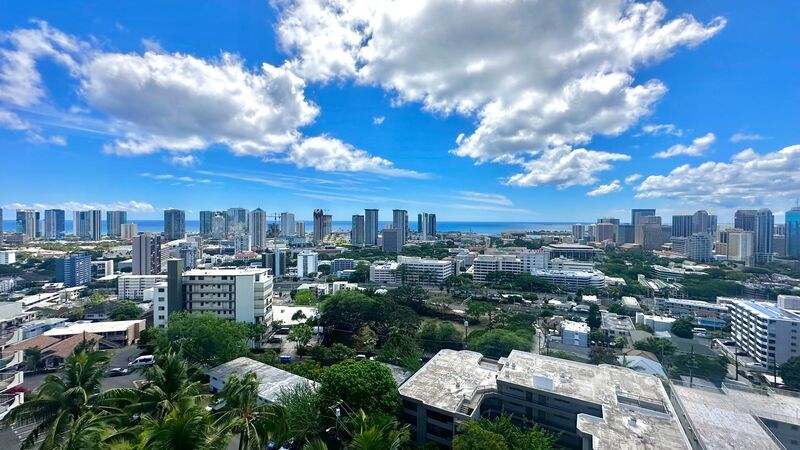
[237, 222]
[779, 244]
[745, 219]
[258, 229]
[287, 224]
[611, 220]
[219, 228]
[426, 225]
[637, 213]
[357, 230]
[793, 232]
[578, 231]
[703, 222]
[391, 241]
[306, 263]
[765, 223]
[54, 228]
[242, 244]
[274, 230]
[400, 223]
[682, 225]
[114, 222]
[741, 246]
[146, 254]
[247, 298]
[319, 234]
[174, 224]
[275, 261]
[128, 230]
[605, 232]
[370, 227]
[26, 222]
[87, 224]
[1, 224]
[649, 235]
[626, 234]
[698, 247]
[207, 223]
[300, 229]
[74, 270]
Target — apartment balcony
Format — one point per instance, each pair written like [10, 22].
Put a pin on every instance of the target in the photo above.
[9, 402]
[10, 380]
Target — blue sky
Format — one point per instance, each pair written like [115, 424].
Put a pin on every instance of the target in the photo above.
[136, 106]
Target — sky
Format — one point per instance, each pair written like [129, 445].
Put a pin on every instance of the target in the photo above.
[475, 110]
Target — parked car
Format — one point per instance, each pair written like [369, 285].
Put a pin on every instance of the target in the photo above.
[274, 340]
[142, 361]
[117, 372]
[283, 330]
[285, 359]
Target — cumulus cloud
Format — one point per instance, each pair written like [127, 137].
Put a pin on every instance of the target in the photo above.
[482, 197]
[183, 160]
[661, 128]
[749, 178]
[378, 120]
[696, 148]
[605, 189]
[741, 137]
[36, 138]
[329, 154]
[632, 178]
[565, 167]
[128, 205]
[12, 121]
[535, 75]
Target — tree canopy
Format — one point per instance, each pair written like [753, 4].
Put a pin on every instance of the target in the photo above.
[790, 372]
[366, 385]
[206, 339]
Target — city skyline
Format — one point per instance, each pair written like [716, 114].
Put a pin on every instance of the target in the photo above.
[670, 127]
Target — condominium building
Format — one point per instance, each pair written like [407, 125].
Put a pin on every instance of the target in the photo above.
[357, 230]
[766, 332]
[391, 241]
[371, 227]
[275, 261]
[741, 246]
[74, 270]
[588, 406]
[128, 231]
[146, 254]
[114, 222]
[764, 232]
[240, 294]
[691, 309]
[7, 257]
[258, 229]
[236, 222]
[132, 287]
[300, 229]
[174, 224]
[219, 226]
[699, 247]
[424, 270]
[86, 224]
[426, 226]
[340, 264]
[27, 223]
[307, 262]
[54, 224]
[578, 232]
[288, 227]
[483, 265]
[207, 223]
[400, 223]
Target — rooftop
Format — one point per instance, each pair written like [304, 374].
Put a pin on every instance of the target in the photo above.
[224, 271]
[613, 321]
[271, 380]
[577, 327]
[94, 327]
[769, 310]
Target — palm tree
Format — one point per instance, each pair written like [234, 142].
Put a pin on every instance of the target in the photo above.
[187, 426]
[60, 401]
[242, 412]
[93, 431]
[377, 433]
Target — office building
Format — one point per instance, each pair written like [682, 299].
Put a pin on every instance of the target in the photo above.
[102, 268]
[74, 270]
[779, 244]
[219, 226]
[306, 263]
[174, 224]
[605, 232]
[340, 264]
[578, 232]
[114, 222]
[240, 294]
[741, 246]
[288, 227]
[391, 241]
[128, 231]
[636, 214]
[699, 247]
[763, 235]
[146, 254]
[745, 219]
[237, 222]
[648, 235]
[26, 223]
[626, 234]
[418, 270]
[54, 224]
[703, 222]
[426, 226]
[587, 406]
[682, 225]
[769, 334]
[370, 227]
[400, 223]
[300, 229]
[258, 229]
[319, 227]
[275, 261]
[207, 223]
[357, 231]
[793, 232]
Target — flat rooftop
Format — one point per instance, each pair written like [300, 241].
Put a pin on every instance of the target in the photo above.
[770, 311]
[271, 380]
[94, 327]
[224, 271]
[613, 321]
[729, 418]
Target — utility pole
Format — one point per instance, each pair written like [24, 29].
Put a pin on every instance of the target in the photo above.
[691, 366]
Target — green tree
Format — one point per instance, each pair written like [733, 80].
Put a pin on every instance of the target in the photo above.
[790, 372]
[682, 328]
[33, 358]
[366, 385]
[377, 432]
[501, 433]
[305, 297]
[300, 334]
[593, 319]
[331, 355]
[187, 427]
[301, 407]
[153, 338]
[497, 342]
[472, 436]
[402, 350]
[660, 347]
[347, 312]
[243, 413]
[435, 336]
[206, 339]
[413, 297]
[124, 310]
[61, 400]
[360, 274]
[602, 355]
[476, 309]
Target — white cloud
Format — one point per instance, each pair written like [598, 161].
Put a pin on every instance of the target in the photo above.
[741, 137]
[749, 178]
[183, 160]
[662, 128]
[128, 205]
[176, 178]
[534, 75]
[36, 138]
[12, 121]
[329, 154]
[565, 167]
[696, 148]
[605, 189]
[378, 120]
[632, 178]
[482, 197]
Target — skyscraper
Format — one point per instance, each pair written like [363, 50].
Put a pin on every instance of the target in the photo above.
[426, 225]
[174, 224]
[605, 231]
[87, 224]
[237, 222]
[258, 229]
[146, 254]
[74, 270]
[578, 231]
[703, 222]
[219, 228]
[400, 223]
[764, 225]
[26, 222]
[745, 219]
[114, 222]
[300, 229]
[682, 225]
[793, 232]
[391, 242]
[327, 225]
[318, 231]
[740, 246]
[287, 224]
[370, 227]
[207, 223]
[637, 213]
[357, 230]
[1, 224]
[698, 247]
[54, 224]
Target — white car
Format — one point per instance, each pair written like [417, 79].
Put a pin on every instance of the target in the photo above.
[143, 361]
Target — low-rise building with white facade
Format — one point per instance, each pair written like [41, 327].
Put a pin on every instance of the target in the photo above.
[7, 257]
[240, 294]
[132, 287]
[424, 270]
[307, 262]
[383, 272]
[575, 333]
[616, 325]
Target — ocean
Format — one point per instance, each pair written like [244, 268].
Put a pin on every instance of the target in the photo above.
[476, 227]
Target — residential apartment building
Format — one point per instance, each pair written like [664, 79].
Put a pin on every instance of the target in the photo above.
[206, 223]
[87, 224]
[174, 224]
[766, 332]
[132, 287]
[114, 222]
[54, 224]
[74, 270]
[27, 223]
[307, 262]
[240, 294]
[391, 241]
[258, 229]
[146, 254]
[400, 222]
[357, 230]
[236, 222]
[764, 234]
[288, 227]
[370, 227]
[423, 270]
[741, 246]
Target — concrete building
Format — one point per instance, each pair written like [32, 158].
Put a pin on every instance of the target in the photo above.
[605, 232]
[271, 380]
[275, 261]
[54, 224]
[242, 244]
[573, 251]
[383, 272]
[370, 227]
[692, 309]
[307, 262]
[87, 224]
[339, 264]
[219, 226]
[391, 241]
[319, 231]
[578, 232]
[146, 254]
[240, 294]
[766, 332]
[102, 268]
[423, 270]
[426, 226]
[764, 232]
[699, 246]
[174, 224]
[207, 223]
[114, 222]
[616, 325]
[288, 227]
[258, 229]
[637, 214]
[626, 234]
[114, 333]
[128, 231]
[74, 270]
[791, 302]
[7, 257]
[132, 287]
[400, 223]
[300, 229]
[570, 279]
[741, 246]
[575, 333]
[357, 230]
[26, 223]
[236, 222]
[656, 323]
[648, 235]
[588, 406]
